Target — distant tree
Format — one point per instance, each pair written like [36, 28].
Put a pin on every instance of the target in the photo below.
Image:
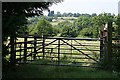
[67, 29]
[70, 14]
[74, 15]
[86, 32]
[118, 23]
[103, 18]
[44, 28]
[64, 14]
[58, 14]
[94, 14]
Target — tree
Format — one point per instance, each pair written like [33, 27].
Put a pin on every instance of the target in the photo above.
[14, 17]
[44, 28]
[58, 14]
[67, 29]
[94, 14]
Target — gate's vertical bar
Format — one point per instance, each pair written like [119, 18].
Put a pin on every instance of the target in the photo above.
[20, 51]
[43, 47]
[35, 51]
[13, 55]
[58, 51]
[71, 49]
[101, 50]
[25, 48]
[109, 39]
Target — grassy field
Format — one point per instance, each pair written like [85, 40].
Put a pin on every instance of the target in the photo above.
[42, 71]
[62, 19]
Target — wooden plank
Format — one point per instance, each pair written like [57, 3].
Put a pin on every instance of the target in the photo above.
[65, 38]
[72, 49]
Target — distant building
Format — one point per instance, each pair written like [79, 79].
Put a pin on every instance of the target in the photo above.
[119, 7]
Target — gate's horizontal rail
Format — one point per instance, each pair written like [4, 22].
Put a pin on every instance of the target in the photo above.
[63, 57]
[58, 38]
[73, 49]
[69, 65]
[78, 45]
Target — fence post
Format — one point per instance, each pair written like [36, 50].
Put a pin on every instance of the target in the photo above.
[35, 42]
[71, 49]
[43, 47]
[25, 48]
[58, 51]
[109, 45]
[105, 51]
[101, 50]
[13, 55]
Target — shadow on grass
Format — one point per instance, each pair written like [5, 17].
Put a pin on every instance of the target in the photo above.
[42, 71]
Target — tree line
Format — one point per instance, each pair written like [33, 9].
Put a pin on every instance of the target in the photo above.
[84, 26]
[58, 14]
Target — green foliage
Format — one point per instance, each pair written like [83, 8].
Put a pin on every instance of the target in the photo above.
[90, 25]
[116, 49]
[67, 29]
[118, 23]
[86, 32]
[116, 59]
[14, 18]
[44, 28]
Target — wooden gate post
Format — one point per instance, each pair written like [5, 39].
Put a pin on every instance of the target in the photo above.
[109, 45]
[58, 51]
[101, 50]
[25, 48]
[43, 47]
[13, 55]
[35, 42]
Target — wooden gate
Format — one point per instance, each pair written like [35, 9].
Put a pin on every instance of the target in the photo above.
[84, 52]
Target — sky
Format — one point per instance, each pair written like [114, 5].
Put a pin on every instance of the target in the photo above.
[86, 6]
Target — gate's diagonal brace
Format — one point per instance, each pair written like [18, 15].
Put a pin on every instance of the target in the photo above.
[46, 45]
[80, 51]
[85, 47]
[36, 50]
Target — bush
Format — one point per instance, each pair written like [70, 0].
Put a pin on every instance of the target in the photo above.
[116, 58]
[86, 32]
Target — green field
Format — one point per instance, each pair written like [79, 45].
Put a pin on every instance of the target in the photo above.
[62, 19]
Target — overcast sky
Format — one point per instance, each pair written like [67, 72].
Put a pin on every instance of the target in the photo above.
[86, 6]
